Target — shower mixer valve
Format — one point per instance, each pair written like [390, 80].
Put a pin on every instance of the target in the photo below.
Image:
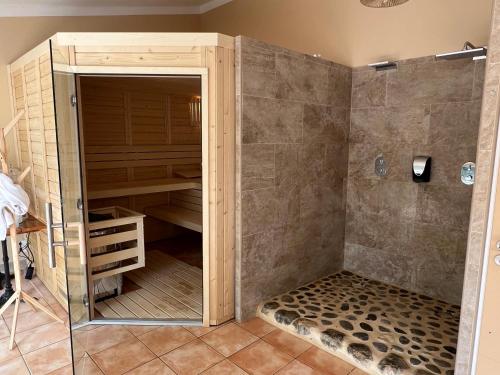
[467, 174]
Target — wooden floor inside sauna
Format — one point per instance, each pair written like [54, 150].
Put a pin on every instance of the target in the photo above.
[170, 286]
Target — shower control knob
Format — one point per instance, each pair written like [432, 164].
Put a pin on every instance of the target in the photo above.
[467, 173]
[497, 260]
[498, 245]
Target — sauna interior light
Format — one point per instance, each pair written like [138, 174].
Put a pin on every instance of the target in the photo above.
[195, 111]
[382, 3]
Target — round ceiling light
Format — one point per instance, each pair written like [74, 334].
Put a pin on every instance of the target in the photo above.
[382, 3]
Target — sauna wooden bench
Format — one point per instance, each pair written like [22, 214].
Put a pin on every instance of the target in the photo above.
[172, 214]
[177, 215]
[122, 189]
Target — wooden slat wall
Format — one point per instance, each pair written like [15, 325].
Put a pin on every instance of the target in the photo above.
[135, 129]
[32, 90]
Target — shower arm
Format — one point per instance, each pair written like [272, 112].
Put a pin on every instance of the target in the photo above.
[468, 45]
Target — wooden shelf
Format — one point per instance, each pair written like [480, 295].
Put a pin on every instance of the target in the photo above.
[29, 225]
[123, 189]
[177, 215]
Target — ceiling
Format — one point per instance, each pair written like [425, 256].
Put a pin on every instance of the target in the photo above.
[28, 8]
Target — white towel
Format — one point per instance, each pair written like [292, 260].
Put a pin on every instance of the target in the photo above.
[13, 201]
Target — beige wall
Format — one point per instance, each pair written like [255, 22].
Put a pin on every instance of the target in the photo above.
[341, 30]
[348, 33]
[5, 110]
[19, 34]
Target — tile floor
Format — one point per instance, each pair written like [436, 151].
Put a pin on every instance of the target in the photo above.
[253, 347]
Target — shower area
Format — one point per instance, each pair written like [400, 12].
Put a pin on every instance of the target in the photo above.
[354, 195]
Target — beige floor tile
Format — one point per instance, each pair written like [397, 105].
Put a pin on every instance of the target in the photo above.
[4, 331]
[322, 361]
[29, 288]
[200, 331]
[257, 327]
[287, 343]
[229, 339]
[49, 358]
[261, 358]
[29, 320]
[192, 358]
[358, 372]
[14, 366]
[123, 357]
[226, 367]
[156, 367]
[23, 308]
[89, 327]
[5, 353]
[39, 337]
[59, 311]
[140, 330]
[102, 338]
[87, 366]
[66, 370]
[84, 366]
[42, 289]
[297, 368]
[164, 339]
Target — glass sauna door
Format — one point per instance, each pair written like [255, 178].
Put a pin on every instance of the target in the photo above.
[71, 210]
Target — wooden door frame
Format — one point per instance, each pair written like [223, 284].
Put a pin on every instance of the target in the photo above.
[165, 71]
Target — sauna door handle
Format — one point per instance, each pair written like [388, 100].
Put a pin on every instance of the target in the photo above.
[53, 244]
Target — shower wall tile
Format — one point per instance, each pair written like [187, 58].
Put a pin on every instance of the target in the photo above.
[428, 83]
[259, 210]
[378, 232]
[339, 86]
[369, 88]
[302, 80]
[271, 121]
[423, 108]
[293, 126]
[455, 124]
[325, 124]
[257, 166]
[479, 77]
[444, 205]
[381, 125]
[379, 265]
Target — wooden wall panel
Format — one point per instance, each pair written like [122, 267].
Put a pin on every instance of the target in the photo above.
[139, 59]
[220, 64]
[32, 90]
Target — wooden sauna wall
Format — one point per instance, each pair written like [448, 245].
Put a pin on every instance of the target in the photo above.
[221, 143]
[140, 129]
[221, 134]
[31, 88]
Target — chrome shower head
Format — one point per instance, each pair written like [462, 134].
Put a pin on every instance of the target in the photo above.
[382, 3]
[469, 50]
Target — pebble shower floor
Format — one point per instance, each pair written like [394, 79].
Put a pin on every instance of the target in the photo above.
[377, 327]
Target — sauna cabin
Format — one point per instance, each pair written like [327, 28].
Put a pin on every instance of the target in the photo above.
[131, 142]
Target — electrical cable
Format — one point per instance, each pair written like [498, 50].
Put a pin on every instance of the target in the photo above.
[26, 251]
